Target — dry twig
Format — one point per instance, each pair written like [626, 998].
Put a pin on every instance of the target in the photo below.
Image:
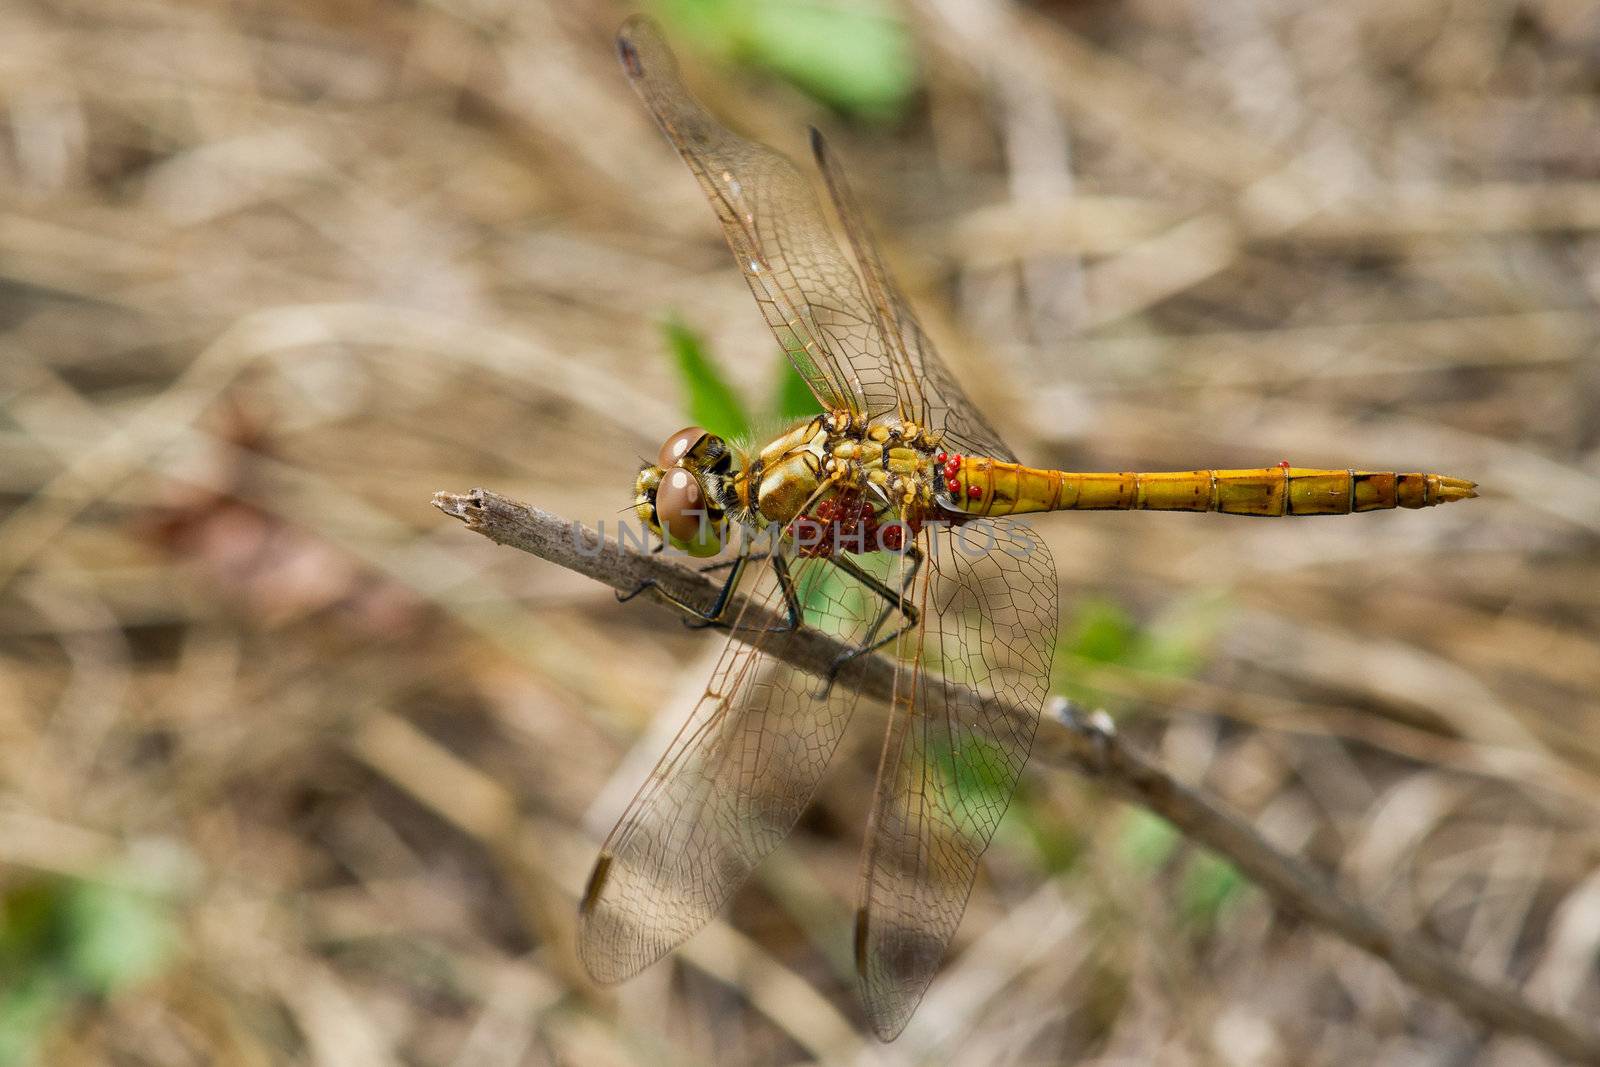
[1086, 743]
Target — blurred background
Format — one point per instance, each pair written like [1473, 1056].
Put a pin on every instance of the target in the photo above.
[297, 770]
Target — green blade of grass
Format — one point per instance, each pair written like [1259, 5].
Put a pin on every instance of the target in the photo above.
[854, 57]
[1146, 841]
[712, 402]
[794, 401]
[116, 935]
[1209, 887]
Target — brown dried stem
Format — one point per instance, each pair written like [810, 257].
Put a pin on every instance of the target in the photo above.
[1086, 743]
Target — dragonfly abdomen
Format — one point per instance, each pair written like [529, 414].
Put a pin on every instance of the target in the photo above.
[982, 486]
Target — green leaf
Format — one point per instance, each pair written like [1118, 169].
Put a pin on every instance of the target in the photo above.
[1210, 886]
[855, 57]
[64, 938]
[795, 400]
[1058, 841]
[115, 935]
[29, 1007]
[712, 402]
[974, 772]
[29, 930]
[824, 589]
[1103, 631]
[708, 25]
[1146, 841]
[1175, 643]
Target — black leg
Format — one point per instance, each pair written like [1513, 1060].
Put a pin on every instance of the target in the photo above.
[649, 583]
[791, 599]
[697, 617]
[792, 610]
[894, 600]
[709, 568]
[712, 616]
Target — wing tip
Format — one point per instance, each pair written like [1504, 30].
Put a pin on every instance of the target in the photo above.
[819, 145]
[629, 55]
[604, 965]
[601, 968]
[633, 28]
[888, 1008]
[888, 1016]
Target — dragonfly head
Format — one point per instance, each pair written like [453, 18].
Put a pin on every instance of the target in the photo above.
[676, 497]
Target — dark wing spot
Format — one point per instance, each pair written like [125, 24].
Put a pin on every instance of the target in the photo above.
[630, 58]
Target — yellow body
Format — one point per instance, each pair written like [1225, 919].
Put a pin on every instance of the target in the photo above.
[1011, 489]
[888, 463]
[785, 474]
[895, 471]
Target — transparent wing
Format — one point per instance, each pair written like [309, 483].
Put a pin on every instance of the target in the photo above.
[728, 789]
[989, 617]
[944, 405]
[804, 284]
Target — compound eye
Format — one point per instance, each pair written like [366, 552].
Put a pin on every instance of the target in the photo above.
[677, 445]
[681, 505]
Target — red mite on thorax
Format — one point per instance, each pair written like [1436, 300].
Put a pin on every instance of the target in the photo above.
[847, 523]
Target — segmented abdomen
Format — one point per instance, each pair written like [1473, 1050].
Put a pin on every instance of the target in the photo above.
[982, 486]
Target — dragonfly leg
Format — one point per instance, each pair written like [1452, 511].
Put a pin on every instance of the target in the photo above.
[697, 616]
[791, 600]
[792, 610]
[894, 600]
[709, 568]
[711, 618]
[700, 618]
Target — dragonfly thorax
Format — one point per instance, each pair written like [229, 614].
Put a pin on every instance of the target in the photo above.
[846, 476]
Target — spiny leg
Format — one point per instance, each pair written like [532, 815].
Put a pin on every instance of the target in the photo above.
[791, 599]
[894, 600]
[709, 568]
[704, 620]
[699, 618]
[792, 610]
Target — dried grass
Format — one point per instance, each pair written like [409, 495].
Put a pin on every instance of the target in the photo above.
[269, 278]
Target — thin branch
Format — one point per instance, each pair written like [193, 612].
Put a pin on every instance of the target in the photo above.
[1088, 744]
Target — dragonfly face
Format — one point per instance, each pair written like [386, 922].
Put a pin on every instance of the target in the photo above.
[683, 497]
[829, 486]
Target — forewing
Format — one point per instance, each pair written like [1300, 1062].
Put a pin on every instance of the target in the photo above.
[951, 762]
[728, 789]
[942, 404]
[806, 288]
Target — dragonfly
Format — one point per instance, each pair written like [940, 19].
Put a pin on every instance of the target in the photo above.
[893, 527]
